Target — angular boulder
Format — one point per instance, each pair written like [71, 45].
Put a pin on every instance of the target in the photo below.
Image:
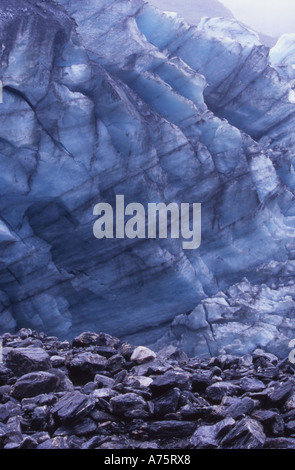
[25, 360]
[33, 384]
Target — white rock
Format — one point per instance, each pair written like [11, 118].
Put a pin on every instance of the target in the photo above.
[142, 354]
[140, 381]
[103, 393]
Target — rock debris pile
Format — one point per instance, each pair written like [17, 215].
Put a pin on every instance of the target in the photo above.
[97, 392]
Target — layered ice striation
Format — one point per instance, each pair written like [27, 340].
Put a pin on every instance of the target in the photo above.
[115, 97]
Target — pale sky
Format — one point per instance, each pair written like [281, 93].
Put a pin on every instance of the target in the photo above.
[272, 17]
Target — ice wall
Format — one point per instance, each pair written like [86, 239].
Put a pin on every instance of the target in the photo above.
[117, 98]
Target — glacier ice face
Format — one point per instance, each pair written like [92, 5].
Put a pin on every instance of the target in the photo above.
[247, 91]
[193, 11]
[236, 321]
[283, 53]
[119, 98]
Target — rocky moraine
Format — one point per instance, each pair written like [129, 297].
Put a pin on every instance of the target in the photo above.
[97, 392]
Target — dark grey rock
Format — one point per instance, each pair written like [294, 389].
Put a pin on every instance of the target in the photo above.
[57, 361]
[103, 381]
[290, 403]
[171, 379]
[3, 433]
[238, 407]
[106, 393]
[157, 366]
[25, 333]
[5, 375]
[28, 443]
[167, 403]
[126, 350]
[279, 443]
[38, 419]
[105, 351]
[25, 360]
[261, 397]
[4, 413]
[263, 358]
[40, 437]
[208, 413]
[171, 429]
[9, 409]
[218, 390]
[119, 379]
[280, 394]
[289, 415]
[28, 404]
[102, 416]
[272, 422]
[63, 345]
[67, 442]
[137, 414]
[266, 374]
[82, 427]
[87, 339]
[11, 446]
[187, 397]
[290, 427]
[72, 406]
[249, 384]
[225, 361]
[88, 388]
[204, 438]
[109, 341]
[10, 433]
[122, 405]
[5, 391]
[93, 443]
[116, 443]
[115, 363]
[201, 380]
[104, 405]
[247, 434]
[208, 437]
[245, 362]
[223, 427]
[148, 445]
[33, 384]
[84, 366]
[64, 383]
[175, 354]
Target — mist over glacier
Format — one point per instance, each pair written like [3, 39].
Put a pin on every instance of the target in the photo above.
[115, 97]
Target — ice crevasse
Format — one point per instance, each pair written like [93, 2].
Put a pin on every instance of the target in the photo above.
[116, 97]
